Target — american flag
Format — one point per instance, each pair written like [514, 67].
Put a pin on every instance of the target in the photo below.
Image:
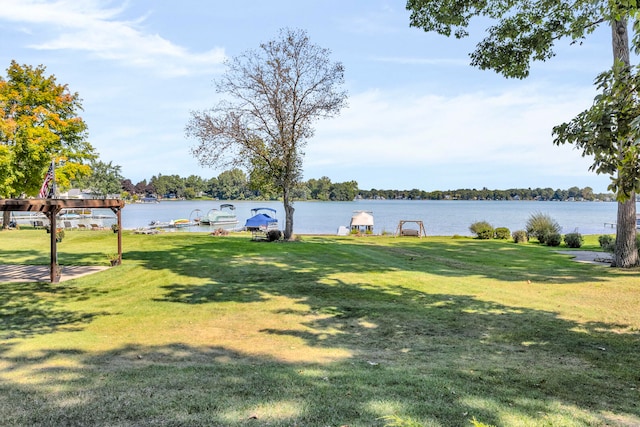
[46, 191]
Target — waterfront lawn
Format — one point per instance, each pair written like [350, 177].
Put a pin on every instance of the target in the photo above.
[327, 331]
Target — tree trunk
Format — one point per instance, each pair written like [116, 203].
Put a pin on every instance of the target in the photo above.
[6, 218]
[626, 252]
[288, 210]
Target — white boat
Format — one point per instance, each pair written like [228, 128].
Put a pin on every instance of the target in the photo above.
[224, 217]
[174, 223]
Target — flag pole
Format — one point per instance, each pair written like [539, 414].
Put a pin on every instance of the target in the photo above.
[53, 180]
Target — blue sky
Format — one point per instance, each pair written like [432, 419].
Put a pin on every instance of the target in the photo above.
[419, 115]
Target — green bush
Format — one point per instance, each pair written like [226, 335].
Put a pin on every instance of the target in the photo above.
[274, 235]
[502, 233]
[540, 226]
[573, 240]
[607, 242]
[520, 236]
[482, 229]
[553, 239]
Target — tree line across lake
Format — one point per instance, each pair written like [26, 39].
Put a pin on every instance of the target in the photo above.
[236, 185]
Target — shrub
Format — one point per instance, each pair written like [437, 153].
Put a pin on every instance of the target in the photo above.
[553, 239]
[520, 236]
[502, 233]
[273, 235]
[540, 226]
[607, 242]
[482, 229]
[573, 240]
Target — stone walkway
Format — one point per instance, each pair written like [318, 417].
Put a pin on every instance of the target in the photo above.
[591, 257]
[40, 273]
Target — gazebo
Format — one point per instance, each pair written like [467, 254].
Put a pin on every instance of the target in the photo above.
[362, 221]
[52, 207]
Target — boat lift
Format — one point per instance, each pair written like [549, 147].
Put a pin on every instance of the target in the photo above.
[261, 223]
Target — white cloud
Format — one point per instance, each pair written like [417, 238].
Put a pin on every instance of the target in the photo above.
[89, 26]
[383, 127]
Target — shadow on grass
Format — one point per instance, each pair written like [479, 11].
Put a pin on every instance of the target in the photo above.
[27, 257]
[435, 357]
[441, 359]
[235, 266]
[29, 309]
[73, 250]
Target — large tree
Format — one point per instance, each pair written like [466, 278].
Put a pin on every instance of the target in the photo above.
[39, 122]
[272, 98]
[526, 31]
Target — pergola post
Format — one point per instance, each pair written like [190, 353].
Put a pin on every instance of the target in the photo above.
[54, 270]
[118, 212]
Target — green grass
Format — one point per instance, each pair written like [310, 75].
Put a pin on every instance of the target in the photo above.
[327, 331]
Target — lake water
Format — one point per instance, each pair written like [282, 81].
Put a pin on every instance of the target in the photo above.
[441, 218]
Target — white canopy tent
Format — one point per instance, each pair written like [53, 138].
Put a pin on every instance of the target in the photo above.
[362, 221]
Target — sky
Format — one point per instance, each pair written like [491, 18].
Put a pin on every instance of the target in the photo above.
[418, 115]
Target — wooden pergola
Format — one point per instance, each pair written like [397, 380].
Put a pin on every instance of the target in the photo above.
[52, 207]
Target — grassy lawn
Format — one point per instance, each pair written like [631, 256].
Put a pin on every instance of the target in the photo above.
[327, 331]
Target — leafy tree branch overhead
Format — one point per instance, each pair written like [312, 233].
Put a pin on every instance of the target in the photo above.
[522, 32]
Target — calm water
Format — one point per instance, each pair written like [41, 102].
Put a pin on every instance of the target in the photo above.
[442, 218]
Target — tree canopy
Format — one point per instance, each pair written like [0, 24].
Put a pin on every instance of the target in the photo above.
[39, 122]
[610, 127]
[525, 31]
[272, 98]
[522, 31]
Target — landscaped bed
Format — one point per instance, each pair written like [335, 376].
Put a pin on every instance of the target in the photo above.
[194, 329]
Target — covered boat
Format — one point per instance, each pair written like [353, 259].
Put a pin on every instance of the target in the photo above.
[362, 222]
[224, 217]
[262, 221]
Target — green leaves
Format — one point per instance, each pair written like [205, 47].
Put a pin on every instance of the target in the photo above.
[38, 122]
[524, 31]
[610, 130]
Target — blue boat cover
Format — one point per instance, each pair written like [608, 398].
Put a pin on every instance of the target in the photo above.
[260, 220]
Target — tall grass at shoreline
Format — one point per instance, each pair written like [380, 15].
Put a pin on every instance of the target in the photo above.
[327, 331]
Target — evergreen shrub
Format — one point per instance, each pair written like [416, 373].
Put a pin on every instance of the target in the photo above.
[573, 240]
[273, 235]
[607, 243]
[502, 233]
[520, 236]
[553, 239]
[482, 230]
